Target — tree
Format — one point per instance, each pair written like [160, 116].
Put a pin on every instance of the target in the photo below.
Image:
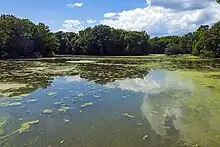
[65, 40]
[208, 44]
[160, 44]
[198, 35]
[186, 43]
[21, 38]
[173, 49]
[104, 40]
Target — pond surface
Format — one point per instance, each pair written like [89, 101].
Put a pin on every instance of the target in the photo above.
[105, 109]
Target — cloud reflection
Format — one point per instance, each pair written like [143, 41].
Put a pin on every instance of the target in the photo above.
[164, 92]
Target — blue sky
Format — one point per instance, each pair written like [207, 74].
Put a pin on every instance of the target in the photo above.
[157, 17]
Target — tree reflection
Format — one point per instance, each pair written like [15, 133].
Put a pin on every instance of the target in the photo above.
[102, 74]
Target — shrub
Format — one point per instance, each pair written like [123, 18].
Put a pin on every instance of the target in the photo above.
[207, 54]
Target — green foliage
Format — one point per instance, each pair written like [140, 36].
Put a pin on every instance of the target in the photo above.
[173, 49]
[208, 44]
[186, 43]
[160, 44]
[104, 40]
[22, 38]
[207, 54]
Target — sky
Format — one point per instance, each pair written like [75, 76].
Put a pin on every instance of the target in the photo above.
[156, 17]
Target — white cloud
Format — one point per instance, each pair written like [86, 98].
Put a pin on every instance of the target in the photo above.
[72, 26]
[110, 14]
[74, 79]
[91, 21]
[164, 19]
[155, 82]
[75, 5]
[180, 4]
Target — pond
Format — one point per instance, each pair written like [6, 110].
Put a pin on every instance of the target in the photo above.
[107, 106]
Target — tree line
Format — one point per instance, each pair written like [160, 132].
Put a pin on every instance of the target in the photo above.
[105, 41]
[204, 42]
[21, 38]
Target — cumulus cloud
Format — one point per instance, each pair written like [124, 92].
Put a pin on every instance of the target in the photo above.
[181, 4]
[110, 14]
[72, 26]
[155, 82]
[91, 21]
[159, 18]
[72, 5]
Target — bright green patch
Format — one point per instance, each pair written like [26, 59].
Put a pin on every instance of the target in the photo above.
[26, 126]
[8, 104]
[47, 111]
[51, 93]
[63, 109]
[80, 95]
[15, 104]
[5, 104]
[87, 104]
[3, 120]
[201, 122]
[23, 128]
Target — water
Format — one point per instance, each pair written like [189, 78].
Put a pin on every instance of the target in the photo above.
[111, 111]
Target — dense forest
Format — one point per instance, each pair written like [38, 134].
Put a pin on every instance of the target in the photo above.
[21, 38]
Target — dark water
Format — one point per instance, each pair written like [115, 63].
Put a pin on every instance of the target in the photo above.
[125, 112]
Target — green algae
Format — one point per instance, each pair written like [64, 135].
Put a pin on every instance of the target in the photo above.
[200, 124]
[4, 104]
[47, 111]
[63, 109]
[128, 115]
[15, 104]
[87, 104]
[51, 93]
[26, 126]
[8, 104]
[58, 103]
[205, 79]
[32, 100]
[194, 105]
[96, 96]
[80, 95]
[3, 121]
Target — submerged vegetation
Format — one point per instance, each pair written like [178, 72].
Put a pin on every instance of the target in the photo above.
[19, 78]
[3, 121]
[172, 109]
[87, 104]
[24, 127]
[47, 111]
